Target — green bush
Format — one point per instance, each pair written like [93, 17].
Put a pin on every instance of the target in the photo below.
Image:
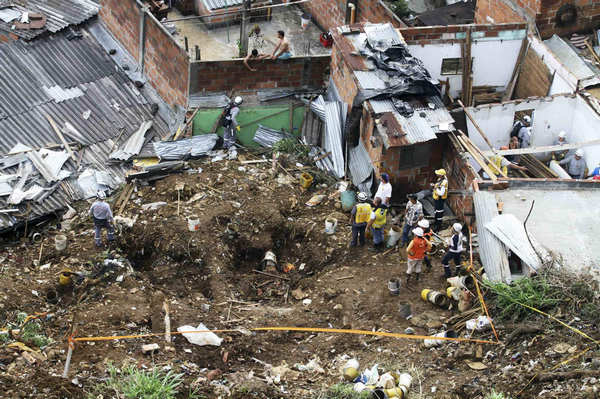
[346, 391]
[535, 292]
[291, 146]
[496, 395]
[400, 8]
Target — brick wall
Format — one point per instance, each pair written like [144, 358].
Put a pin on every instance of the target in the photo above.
[227, 75]
[460, 177]
[165, 64]
[456, 33]
[588, 17]
[331, 13]
[122, 18]
[495, 11]
[342, 77]
[8, 37]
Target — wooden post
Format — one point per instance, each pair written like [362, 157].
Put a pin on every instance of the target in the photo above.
[517, 69]
[244, 29]
[187, 47]
[197, 52]
[466, 57]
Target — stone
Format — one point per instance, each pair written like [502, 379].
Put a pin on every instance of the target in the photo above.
[150, 348]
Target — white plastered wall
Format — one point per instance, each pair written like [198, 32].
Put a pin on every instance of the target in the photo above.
[493, 61]
[570, 113]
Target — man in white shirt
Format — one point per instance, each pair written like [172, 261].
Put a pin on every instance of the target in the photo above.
[384, 191]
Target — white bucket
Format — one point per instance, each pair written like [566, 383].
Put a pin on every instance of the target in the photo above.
[405, 380]
[330, 225]
[394, 236]
[193, 223]
[304, 20]
[60, 242]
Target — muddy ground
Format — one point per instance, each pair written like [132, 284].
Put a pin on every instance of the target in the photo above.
[208, 276]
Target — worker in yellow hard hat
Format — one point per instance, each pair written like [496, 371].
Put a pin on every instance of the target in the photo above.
[440, 193]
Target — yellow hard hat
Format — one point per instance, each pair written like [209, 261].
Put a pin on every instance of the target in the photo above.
[440, 172]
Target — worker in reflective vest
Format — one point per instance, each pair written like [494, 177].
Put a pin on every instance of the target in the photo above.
[440, 193]
[455, 248]
[376, 223]
[359, 217]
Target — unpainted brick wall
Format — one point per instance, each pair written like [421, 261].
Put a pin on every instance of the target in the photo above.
[166, 64]
[448, 34]
[331, 13]
[343, 78]
[460, 177]
[588, 17]
[211, 76]
[122, 18]
[503, 11]
[8, 37]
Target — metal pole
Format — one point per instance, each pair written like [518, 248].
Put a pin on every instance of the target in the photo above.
[243, 29]
[197, 52]
[187, 48]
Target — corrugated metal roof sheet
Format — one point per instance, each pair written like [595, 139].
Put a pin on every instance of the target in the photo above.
[109, 111]
[360, 164]
[381, 106]
[571, 60]
[416, 128]
[369, 80]
[382, 35]
[219, 4]
[333, 137]
[59, 14]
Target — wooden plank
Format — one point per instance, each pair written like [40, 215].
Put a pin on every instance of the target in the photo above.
[185, 127]
[476, 157]
[548, 148]
[477, 126]
[60, 136]
[476, 149]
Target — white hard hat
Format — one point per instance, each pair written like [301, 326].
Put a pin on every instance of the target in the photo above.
[527, 118]
[457, 227]
[579, 152]
[238, 100]
[362, 196]
[418, 232]
[423, 223]
[100, 195]
[562, 134]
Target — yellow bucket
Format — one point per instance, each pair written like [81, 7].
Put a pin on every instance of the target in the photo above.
[424, 294]
[306, 180]
[64, 278]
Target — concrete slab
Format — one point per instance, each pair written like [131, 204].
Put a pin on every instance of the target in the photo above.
[565, 221]
[221, 43]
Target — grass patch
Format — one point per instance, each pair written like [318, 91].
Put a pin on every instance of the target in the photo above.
[345, 391]
[132, 383]
[536, 292]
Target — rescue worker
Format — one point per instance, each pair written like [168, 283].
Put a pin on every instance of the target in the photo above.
[230, 124]
[455, 248]
[384, 191]
[376, 223]
[513, 145]
[502, 164]
[524, 133]
[413, 213]
[103, 218]
[575, 165]
[595, 173]
[560, 140]
[440, 193]
[427, 234]
[415, 253]
[359, 217]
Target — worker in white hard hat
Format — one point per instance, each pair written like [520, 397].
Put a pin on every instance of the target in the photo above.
[561, 139]
[427, 234]
[103, 218]
[230, 123]
[415, 253]
[520, 127]
[440, 193]
[455, 248]
[575, 165]
[359, 217]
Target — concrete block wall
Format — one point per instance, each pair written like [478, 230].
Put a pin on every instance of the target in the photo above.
[211, 76]
[122, 18]
[329, 14]
[166, 64]
[456, 33]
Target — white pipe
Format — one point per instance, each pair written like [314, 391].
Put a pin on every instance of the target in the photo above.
[556, 168]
